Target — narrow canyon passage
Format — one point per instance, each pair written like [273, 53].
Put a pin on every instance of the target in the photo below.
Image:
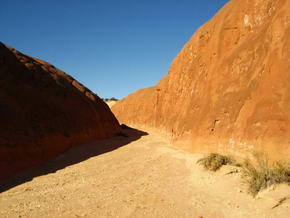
[137, 176]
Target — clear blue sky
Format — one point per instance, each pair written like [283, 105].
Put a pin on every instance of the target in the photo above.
[114, 47]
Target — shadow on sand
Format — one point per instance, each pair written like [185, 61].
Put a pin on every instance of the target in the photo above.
[74, 155]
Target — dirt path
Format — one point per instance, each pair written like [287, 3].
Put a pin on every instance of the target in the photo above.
[145, 178]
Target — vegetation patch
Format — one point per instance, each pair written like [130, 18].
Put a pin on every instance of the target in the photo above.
[214, 161]
[260, 174]
[110, 99]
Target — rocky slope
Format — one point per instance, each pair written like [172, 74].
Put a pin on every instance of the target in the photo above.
[228, 90]
[44, 111]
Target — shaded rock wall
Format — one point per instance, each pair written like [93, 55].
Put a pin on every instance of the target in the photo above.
[228, 90]
[44, 111]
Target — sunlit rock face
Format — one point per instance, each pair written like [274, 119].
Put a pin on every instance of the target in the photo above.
[228, 90]
[44, 111]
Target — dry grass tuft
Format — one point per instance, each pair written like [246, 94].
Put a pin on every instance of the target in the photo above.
[261, 175]
[257, 175]
[214, 161]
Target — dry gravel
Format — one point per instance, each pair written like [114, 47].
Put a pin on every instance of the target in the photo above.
[143, 178]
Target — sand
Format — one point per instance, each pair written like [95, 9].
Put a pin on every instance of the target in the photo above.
[136, 176]
[111, 103]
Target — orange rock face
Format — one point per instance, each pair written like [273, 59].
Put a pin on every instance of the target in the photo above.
[228, 90]
[44, 111]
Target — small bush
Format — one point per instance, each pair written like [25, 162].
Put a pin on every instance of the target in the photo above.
[261, 175]
[213, 161]
[110, 99]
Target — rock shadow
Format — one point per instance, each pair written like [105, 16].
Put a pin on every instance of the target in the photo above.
[74, 155]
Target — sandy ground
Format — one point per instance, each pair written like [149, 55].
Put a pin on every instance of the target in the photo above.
[111, 103]
[135, 176]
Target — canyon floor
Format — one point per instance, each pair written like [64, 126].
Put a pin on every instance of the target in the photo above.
[135, 176]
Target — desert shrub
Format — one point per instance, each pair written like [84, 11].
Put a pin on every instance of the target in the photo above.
[110, 99]
[260, 175]
[214, 161]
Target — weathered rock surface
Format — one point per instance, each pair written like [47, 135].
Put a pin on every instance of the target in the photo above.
[44, 111]
[228, 90]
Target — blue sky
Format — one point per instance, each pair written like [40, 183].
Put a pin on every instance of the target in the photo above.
[114, 47]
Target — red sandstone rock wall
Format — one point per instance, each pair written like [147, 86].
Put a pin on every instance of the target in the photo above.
[44, 111]
[228, 90]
